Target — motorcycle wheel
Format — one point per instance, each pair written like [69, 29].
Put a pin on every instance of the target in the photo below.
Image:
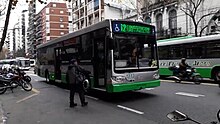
[2, 90]
[197, 79]
[27, 86]
[27, 78]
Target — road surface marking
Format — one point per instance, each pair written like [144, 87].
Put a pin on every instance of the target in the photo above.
[148, 88]
[189, 94]
[92, 97]
[186, 82]
[35, 90]
[130, 109]
[210, 84]
[26, 98]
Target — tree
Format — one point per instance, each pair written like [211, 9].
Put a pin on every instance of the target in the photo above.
[11, 4]
[3, 53]
[191, 8]
[2, 8]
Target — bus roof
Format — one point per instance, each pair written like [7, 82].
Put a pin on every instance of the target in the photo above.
[90, 28]
[187, 40]
[102, 24]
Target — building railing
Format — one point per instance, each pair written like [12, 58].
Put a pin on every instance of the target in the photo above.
[159, 4]
[168, 33]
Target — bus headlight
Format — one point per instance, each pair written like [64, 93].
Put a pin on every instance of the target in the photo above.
[156, 76]
[119, 79]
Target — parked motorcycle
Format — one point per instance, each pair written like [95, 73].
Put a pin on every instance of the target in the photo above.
[177, 116]
[13, 81]
[189, 75]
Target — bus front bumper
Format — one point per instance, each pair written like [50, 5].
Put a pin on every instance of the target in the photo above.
[132, 86]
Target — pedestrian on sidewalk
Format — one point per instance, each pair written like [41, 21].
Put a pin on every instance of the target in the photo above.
[75, 79]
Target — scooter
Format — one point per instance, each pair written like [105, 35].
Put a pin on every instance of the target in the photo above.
[177, 116]
[189, 75]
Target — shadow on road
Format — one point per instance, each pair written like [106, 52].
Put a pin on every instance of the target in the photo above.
[120, 97]
[110, 97]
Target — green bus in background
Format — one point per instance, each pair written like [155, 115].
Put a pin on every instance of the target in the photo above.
[203, 53]
[121, 56]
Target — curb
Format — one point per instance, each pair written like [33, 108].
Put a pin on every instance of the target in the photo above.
[2, 117]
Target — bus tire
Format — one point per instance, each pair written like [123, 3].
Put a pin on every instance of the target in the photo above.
[217, 76]
[47, 76]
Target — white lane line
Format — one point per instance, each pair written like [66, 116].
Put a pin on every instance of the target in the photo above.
[149, 88]
[210, 84]
[186, 82]
[189, 94]
[130, 109]
[92, 97]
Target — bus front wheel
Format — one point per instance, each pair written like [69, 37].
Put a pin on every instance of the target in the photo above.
[217, 76]
[47, 76]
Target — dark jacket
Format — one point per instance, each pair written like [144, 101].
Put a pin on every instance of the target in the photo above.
[71, 75]
[76, 74]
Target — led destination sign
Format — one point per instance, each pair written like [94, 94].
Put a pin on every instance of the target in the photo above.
[128, 28]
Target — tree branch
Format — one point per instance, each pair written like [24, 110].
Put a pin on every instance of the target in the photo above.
[185, 11]
[211, 13]
[200, 34]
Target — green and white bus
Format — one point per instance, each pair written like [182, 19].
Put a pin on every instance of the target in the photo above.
[105, 49]
[203, 53]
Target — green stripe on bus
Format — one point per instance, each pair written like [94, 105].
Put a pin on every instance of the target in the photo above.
[132, 86]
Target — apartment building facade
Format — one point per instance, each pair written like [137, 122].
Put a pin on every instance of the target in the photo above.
[88, 12]
[52, 22]
[171, 21]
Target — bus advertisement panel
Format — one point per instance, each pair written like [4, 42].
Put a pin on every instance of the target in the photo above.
[121, 55]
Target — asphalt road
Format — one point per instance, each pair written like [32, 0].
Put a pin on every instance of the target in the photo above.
[49, 104]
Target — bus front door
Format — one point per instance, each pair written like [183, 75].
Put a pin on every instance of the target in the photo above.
[57, 64]
[99, 78]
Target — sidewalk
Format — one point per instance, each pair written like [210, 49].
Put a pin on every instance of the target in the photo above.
[2, 117]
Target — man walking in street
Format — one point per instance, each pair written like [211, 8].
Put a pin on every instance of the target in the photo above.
[75, 80]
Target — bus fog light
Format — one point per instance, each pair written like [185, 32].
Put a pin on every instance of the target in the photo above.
[156, 76]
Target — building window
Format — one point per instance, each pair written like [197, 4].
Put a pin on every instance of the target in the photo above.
[47, 11]
[159, 24]
[47, 18]
[62, 26]
[61, 11]
[54, 5]
[148, 20]
[173, 22]
[61, 33]
[61, 19]
[48, 38]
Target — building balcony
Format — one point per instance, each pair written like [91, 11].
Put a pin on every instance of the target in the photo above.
[169, 33]
[158, 5]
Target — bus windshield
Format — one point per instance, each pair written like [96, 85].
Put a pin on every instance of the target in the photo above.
[134, 52]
